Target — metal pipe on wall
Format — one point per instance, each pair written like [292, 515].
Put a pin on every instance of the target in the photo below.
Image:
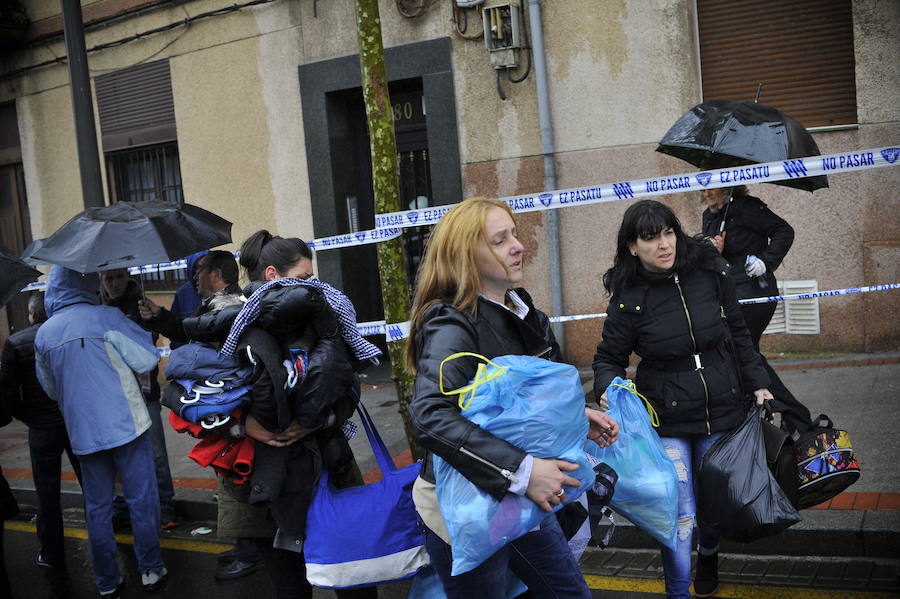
[82, 105]
[548, 150]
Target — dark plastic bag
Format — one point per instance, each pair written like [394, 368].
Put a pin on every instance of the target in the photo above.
[738, 495]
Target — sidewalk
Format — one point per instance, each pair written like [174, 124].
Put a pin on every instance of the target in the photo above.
[857, 391]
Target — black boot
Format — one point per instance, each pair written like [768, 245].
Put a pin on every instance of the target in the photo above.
[707, 579]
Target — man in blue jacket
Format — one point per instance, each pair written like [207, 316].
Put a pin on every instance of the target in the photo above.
[86, 356]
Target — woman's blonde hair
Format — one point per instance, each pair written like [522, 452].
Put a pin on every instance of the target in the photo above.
[449, 270]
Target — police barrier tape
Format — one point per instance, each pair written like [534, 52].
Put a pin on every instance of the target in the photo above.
[796, 168]
[390, 225]
[401, 330]
[398, 331]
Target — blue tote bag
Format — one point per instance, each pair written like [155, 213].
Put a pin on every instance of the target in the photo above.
[368, 534]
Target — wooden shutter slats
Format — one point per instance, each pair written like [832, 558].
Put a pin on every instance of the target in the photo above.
[136, 104]
[801, 51]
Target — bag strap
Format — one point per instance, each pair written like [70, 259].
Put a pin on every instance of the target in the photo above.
[823, 421]
[382, 456]
[481, 377]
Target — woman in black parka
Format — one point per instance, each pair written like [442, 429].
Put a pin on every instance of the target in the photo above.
[754, 240]
[674, 305]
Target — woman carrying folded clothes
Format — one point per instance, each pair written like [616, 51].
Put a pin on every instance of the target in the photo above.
[674, 305]
[296, 332]
[467, 300]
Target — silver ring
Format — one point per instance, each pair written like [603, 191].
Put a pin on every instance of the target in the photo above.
[560, 493]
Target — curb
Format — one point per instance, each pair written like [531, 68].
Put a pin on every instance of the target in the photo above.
[823, 533]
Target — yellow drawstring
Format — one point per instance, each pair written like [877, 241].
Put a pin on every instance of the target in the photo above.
[654, 417]
[481, 377]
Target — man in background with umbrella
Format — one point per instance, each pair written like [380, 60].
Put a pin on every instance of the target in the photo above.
[85, 355]
[119, 290]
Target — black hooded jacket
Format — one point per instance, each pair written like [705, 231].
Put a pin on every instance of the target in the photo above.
[492, 331]
[751, 229]
[20, 392]
[665, 319]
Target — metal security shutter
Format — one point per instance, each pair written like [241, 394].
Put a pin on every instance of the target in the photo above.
[801, 51]
[136, 106]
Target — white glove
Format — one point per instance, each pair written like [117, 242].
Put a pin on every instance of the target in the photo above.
[754, 267]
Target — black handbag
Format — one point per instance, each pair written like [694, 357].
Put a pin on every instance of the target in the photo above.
[780, 457]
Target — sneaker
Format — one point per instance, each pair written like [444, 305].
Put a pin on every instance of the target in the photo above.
[707, 579]
[116, 592]
[151, 581]
[40, 561]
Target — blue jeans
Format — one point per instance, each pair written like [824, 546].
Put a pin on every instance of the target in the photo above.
[46, 446]
[686, 453]
[165, 487]
[133, 462]
[541, 559]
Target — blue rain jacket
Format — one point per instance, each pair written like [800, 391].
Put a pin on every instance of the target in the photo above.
[86, 356]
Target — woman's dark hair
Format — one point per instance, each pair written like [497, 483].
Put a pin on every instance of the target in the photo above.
[645, 219]
[262, 249]
[739, 191]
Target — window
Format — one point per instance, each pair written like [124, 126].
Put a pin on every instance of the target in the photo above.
[137, 120]
[147, 173]
[801, 51]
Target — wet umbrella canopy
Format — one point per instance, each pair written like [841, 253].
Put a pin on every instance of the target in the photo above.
[727, 133]
[14, 274]
[131, 234]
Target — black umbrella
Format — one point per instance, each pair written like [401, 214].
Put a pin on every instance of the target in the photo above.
[728, 133]
[130, 234]
[14, 274]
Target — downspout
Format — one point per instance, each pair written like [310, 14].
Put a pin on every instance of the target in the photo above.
[548, 150]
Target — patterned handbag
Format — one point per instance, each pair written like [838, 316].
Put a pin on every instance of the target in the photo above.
[825, 461]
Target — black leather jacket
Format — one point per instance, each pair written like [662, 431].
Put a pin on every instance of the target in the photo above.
[665, 318]
[21, 394]
[751, 229]
[438, 426]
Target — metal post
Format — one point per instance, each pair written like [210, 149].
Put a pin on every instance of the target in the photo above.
[548, 150]
[82, 105]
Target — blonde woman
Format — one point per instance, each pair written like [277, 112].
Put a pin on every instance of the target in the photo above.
[467, 300]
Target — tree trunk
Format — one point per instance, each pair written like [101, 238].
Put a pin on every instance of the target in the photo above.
[383, 147]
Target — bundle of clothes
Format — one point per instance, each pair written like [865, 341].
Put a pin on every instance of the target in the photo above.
[282, 352]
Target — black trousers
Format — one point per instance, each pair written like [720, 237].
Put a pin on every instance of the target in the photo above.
[757, 316]
[46, 446]
[287, 571]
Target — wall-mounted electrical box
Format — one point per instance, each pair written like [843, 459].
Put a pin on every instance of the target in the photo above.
[502, 32]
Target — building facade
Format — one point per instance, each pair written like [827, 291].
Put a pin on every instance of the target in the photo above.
[255, 112]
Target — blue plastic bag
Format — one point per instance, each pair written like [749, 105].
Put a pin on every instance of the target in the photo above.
[647, 489]
[427, 585]
[538, 406]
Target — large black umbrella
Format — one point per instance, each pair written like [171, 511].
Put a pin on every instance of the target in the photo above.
[728, 133]
[14, 274]
[130, 234]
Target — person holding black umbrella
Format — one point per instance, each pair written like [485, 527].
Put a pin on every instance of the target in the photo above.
[754, 240]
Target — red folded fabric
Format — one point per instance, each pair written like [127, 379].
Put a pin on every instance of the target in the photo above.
[243, 463]
[214, 451]
[184, 426]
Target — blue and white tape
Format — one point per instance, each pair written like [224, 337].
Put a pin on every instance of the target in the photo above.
[401, 330]
[398, 331]
[768, 172]
[391, 225]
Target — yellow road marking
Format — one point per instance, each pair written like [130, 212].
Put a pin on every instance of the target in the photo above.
[177, 544]
[730, 591]
[597, 583]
